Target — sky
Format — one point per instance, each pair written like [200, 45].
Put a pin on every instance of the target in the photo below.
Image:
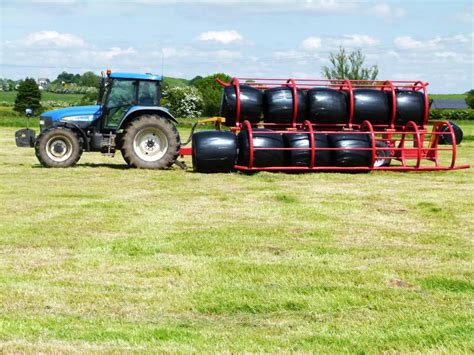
[430, 40]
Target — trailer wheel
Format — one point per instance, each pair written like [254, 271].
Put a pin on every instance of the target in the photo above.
[358, 155]
[382, 154]
[447, 139]
[58, 147]
[150, 142]
[214, 151]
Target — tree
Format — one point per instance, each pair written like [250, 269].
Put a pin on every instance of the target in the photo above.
[89, 79]
[194, 81]
[29, 96]
[346, 65]
[211, 92]
[184, 101]
[470, 98]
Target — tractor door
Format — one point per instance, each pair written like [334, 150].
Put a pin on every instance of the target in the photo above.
[121, 96]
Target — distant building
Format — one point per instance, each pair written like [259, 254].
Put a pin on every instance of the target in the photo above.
[43, 83]
[449, 104]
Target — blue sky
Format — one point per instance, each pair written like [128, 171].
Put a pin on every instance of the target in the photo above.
[424, 40]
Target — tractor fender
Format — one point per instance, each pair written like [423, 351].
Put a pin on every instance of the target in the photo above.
[140, 110]
[73, 126]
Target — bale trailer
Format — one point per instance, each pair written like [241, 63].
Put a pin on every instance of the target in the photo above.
[325, 125]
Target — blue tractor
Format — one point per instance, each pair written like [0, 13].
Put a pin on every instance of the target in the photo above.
[127, 117]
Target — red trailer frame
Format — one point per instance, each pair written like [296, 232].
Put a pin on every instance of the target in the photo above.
[410, 144]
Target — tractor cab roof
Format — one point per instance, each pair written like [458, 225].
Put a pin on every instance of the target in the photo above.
[147, 76]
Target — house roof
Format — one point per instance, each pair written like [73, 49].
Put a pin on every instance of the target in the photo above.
[452, 104]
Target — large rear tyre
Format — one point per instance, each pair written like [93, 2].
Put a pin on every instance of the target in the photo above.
[58, 147]
[150, 142]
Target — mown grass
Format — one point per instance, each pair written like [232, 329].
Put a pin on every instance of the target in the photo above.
[104, 258]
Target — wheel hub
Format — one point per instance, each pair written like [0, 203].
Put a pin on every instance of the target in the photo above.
[150, 144]
[59, 148]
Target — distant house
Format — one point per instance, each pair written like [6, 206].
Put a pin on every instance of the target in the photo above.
[43, 83]
[449, 104]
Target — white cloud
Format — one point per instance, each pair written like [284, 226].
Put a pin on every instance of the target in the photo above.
[117, 51]
[224, 37]
[467, 15]
[386, 12]
[286, 54]
[311, 43]
[355, 40]
[225, 54]
[169, 52]
[317, 6]
[54, 38]
[408, 42]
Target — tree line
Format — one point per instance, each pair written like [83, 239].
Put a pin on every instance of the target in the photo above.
[199, 96]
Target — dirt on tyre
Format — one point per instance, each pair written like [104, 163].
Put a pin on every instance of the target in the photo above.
[58, 148]
[150, 142]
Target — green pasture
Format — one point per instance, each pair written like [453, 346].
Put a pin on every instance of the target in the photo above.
[103, 258]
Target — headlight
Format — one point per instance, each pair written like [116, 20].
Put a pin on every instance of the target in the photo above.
[45, 122]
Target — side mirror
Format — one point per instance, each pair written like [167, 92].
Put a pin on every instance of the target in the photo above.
[29, 112]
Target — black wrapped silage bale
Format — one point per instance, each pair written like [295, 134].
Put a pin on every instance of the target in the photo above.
[326, 106]
[371, 105]
[278, 105]
[251, 104]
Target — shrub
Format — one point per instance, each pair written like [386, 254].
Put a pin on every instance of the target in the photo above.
[449, 115]
[470, 98]
[28, 96]
[90, 97]
[211, 92]
[184, 101]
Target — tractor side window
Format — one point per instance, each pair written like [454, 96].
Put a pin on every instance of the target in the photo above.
[122, 95]
[148, 94]
[123, 92]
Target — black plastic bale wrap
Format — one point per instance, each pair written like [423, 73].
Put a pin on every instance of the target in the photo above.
[371, 105]
[303, 157]
[278, 105]
[214, 151]
[351, 158]
[326, 106]
[261, 158]
[251, 104]
[410, 106]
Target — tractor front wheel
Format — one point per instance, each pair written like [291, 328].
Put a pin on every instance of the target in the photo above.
[58, 148]
[150, 142]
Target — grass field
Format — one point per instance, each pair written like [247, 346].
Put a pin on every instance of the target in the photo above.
[104, 258]
[448, 96]
[9, 96]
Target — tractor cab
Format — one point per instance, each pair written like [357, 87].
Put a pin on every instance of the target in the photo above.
[120, 92]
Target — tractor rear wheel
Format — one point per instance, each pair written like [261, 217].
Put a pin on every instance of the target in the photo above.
[58, 147]
[150, 142]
